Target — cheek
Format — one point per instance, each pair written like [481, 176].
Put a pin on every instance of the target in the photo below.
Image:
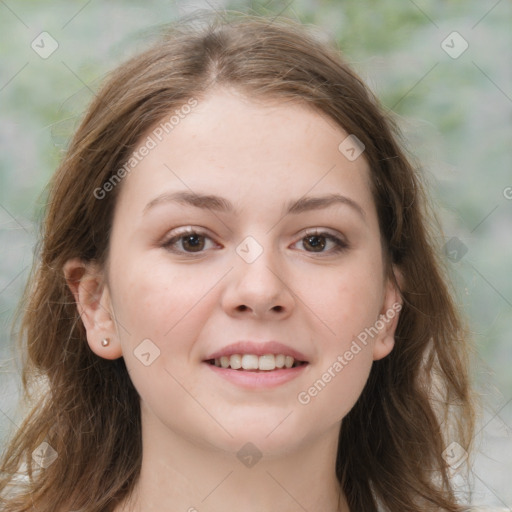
[154, 299]
[334, 389]
[168, 308]
[348, 299]
[345, 355]
[348, 302]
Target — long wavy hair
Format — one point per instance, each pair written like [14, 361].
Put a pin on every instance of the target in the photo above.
[418, 400]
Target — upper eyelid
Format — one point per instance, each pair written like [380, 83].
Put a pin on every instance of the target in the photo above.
[204, 232]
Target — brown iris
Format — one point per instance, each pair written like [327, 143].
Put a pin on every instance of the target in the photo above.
[317, 243]
[193, 243]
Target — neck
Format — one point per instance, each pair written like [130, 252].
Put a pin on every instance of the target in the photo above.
[179, 474]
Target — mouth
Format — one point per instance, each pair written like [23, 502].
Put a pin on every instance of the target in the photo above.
[257, 364]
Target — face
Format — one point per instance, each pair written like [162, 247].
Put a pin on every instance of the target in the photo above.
[245, 224]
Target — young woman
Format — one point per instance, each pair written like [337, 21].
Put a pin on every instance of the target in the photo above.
[238, 303]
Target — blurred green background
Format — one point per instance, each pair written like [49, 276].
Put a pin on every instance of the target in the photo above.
[454, 105]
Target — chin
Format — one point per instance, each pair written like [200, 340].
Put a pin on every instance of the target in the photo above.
[272, 435]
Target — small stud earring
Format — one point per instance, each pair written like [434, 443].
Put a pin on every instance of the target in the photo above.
[105, 342]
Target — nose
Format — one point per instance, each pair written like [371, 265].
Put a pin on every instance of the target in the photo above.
[258, 290]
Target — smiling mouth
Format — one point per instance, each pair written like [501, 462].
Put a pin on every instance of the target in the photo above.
[254, 363]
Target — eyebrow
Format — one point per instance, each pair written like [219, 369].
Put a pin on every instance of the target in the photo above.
[221, 204]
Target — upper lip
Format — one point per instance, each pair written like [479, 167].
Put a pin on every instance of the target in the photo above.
[258, 349]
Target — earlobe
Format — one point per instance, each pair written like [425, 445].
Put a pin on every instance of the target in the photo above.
[85, 280]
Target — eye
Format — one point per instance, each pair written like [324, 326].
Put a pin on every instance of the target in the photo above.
[318, 241]
[187, 241]
[192, 240]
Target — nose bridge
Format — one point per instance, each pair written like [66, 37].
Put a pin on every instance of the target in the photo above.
[258, 282]
[258, 263]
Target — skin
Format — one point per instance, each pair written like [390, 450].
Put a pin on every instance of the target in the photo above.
[259, 155]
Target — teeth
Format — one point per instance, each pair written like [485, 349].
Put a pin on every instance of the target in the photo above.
[250, 362]
[235, 361]
[268, 362]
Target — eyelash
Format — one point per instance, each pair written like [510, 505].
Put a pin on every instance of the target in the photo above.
[339, 244]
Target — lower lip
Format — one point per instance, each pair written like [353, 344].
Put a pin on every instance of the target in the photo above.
[258, 380]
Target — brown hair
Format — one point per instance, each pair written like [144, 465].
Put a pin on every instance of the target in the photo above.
[391, 445]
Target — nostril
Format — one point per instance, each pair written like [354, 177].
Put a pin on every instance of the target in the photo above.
[243, 307]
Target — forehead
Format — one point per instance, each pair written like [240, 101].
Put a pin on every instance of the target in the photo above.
[231, 145]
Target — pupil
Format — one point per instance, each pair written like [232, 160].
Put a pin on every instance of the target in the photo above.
[316, 242]
[193, 242]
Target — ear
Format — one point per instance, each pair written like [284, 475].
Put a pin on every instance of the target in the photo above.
[86, 282]
[389, 314]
